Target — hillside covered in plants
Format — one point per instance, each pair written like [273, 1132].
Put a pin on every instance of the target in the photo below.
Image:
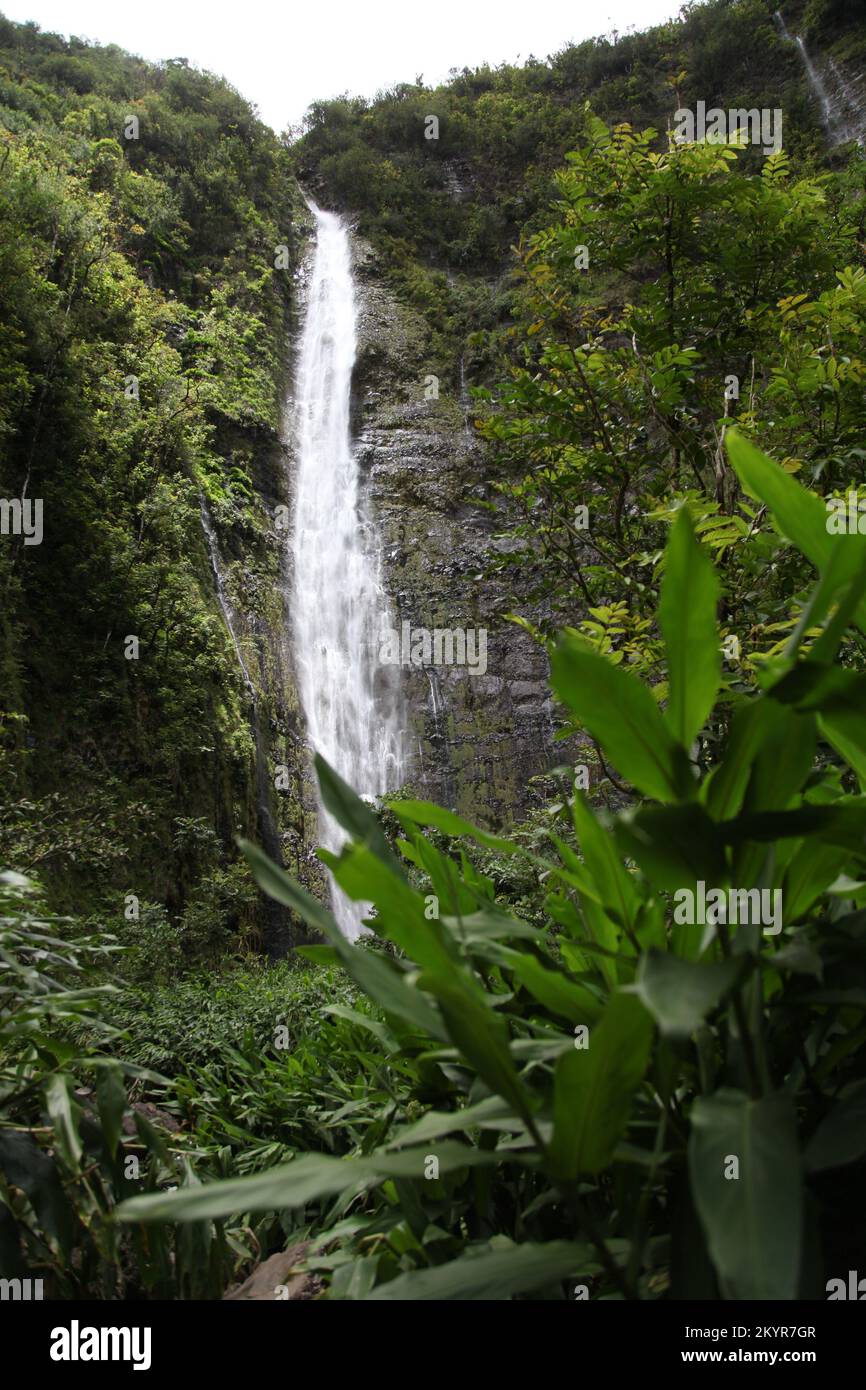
[601, 1036]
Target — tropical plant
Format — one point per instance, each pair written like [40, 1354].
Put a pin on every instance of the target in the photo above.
[644, 1108]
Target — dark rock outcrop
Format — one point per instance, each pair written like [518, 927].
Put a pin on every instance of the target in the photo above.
[473, 741]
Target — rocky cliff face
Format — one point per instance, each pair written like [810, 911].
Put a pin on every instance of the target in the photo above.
[834, 69]
[255, 569]
[474, 741]
[846, 93]
[252, 568]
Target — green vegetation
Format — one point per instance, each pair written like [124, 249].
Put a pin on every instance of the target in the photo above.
[712, 297]
[142, 364]
[537, 1072]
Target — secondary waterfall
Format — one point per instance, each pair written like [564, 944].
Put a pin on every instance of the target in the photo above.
[350, 702]
[817, 84]
[843, 109]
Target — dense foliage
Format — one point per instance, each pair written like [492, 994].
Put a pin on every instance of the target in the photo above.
[602, 1078]
[142, 343]
[534, 1078]
[461, 198]
[711, 297]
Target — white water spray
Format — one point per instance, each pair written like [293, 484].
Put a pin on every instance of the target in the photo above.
[817, 84]
[350, 702]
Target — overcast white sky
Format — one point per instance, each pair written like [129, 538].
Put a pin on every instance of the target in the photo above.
[282, 54]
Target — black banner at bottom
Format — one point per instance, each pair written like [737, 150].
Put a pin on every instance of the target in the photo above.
[180, 1339]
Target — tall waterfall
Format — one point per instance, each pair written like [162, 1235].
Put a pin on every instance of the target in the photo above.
[351, 704]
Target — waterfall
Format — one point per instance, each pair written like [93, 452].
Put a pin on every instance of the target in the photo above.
[350, 702]
[817, 84]
[842, 112]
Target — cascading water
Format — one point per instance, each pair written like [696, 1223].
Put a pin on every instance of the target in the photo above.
[842, 110]
[350, 702]
[817, 84]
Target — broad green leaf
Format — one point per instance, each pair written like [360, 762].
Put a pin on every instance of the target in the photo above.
[609, 903]
[846, 582]
[283, 889]
[836, 589]
[680, 993]
[726, 785]
[692, 1274]
[797, 957]
[376, 976]
[674, 845]
[622, 715]
[494, 1275]
[812, 869]
[843, 824]
[799, 513]
[370, 1025]
[111, 1102]
[846, 732]
[783, 761]
[391, 990]
[687, 618]
[297, 1183]
[399, 908]
[457, 896]
[567, 998]
[319, 955]
[479, 1034]
[426, 813]
[436, 1123]
[354, 815]
[612, 880]
[26, 1166]
[822, 687]
[841, 1136]
[64, 1113]
[469, 1018]
[593, 1088]
[838, 696]
[494, 925]
[753, 1222]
